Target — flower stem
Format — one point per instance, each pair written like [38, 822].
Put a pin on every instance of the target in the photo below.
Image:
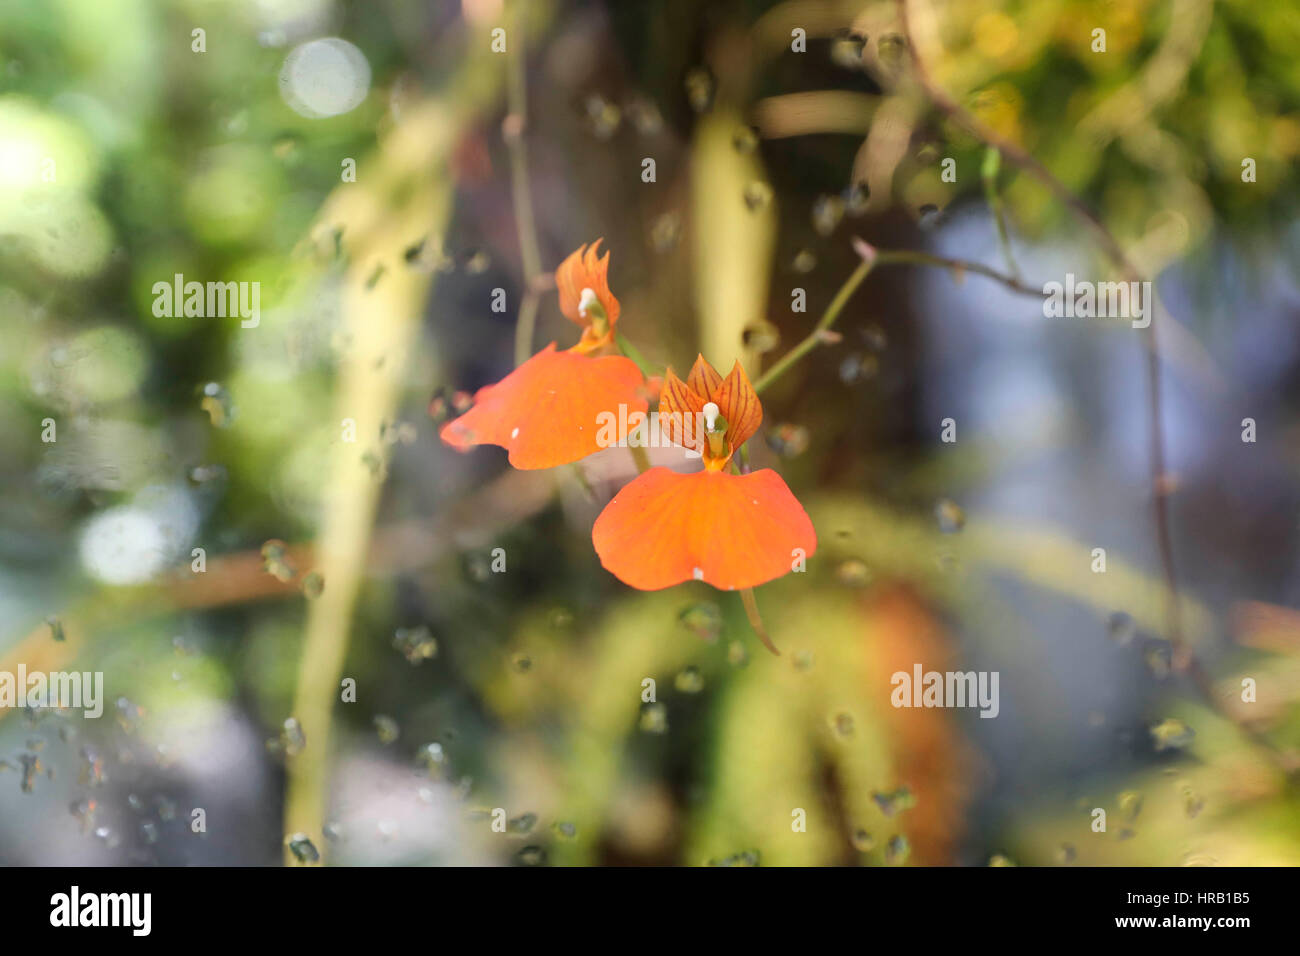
[814, 337]
[632, 352]
[756, 620]
[521, 191]
[640, 457]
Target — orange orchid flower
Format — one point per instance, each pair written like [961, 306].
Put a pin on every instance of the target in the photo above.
[546, 412]
[731, 531]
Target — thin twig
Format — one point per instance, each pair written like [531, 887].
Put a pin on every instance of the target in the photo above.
[514, 130]
[1184, 660]
[816, 336]
[989, 173]
[872, 257]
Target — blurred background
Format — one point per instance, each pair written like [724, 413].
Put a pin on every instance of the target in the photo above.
[232, 523]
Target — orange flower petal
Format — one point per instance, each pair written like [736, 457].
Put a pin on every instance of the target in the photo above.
[547, 411]
[739, 405]
[703, 378]
[583, 269]
[732, 531]
[679, 407]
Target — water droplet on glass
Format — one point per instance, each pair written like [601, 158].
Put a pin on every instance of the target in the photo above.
[432, 759]
[303, 850]
[665, 231]
[1171, 734]
[803, 661]
[858, 368]
[91, 773]
[761, 336]
[874, 337]
[291, 741]
[745, 139]
[1130, 805]
[846, 50]
[1121, 628]
[689, 681]
[387, 729]
[1159, 659]
[521, 663]
[477, 262]
[531, 856]
[737, 655]
[603, 117]
[216, 401]
[31, 767]
[950, 516]
[416, 643]
[853, 573]
[891, 48]
[1193, 803]
[804, 261]
[645, 116]
[313, 584]
[757, 194]
[827, 211]
[564, 830]
[128, 714]
[897, 850]
[84, 811]
[275, 561]
[56, 628]
[704, 620]
[842, 723]
[856, 199]
[788, 441]
[863, 841]
[521, 824]
[699, 88]
[895, 802]
[654, 718]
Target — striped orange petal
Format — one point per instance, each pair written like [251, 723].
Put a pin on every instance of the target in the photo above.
[739, 405]
[731, 531]
[548, 411]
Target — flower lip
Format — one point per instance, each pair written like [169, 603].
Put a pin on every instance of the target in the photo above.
[730, 531]
[545, 411]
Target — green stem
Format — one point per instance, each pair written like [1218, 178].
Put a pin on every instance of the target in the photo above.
[814, 338]
[989, 173]
[521, 191]
[632, 352]
[641, 457]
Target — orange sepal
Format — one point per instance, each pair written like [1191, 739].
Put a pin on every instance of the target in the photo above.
[731, 531]
[739, 405]
[547, 411]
